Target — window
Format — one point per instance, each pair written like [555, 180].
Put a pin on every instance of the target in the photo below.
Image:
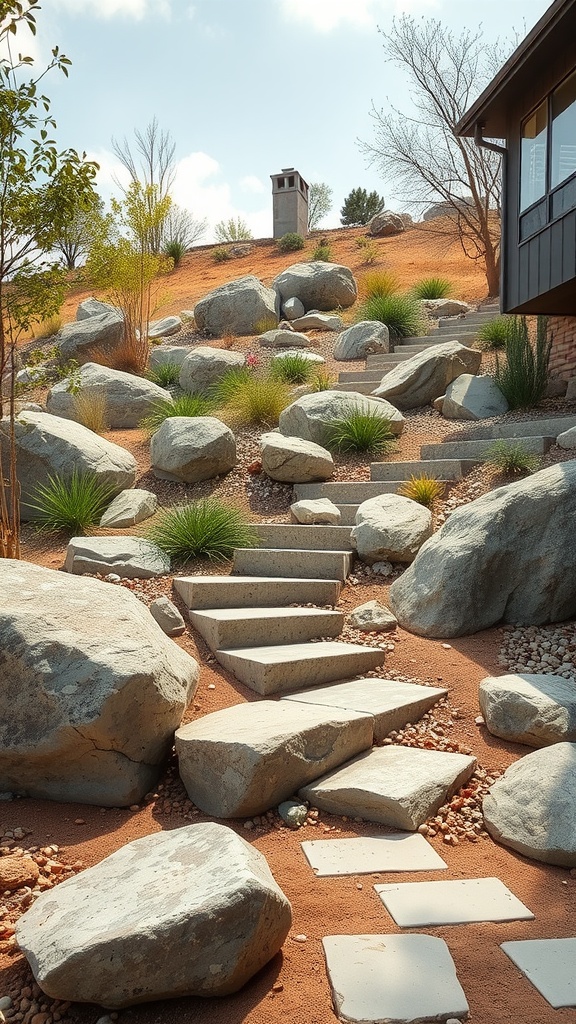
[563, 142]
[533, 157]
[291, 181]
[280, 182]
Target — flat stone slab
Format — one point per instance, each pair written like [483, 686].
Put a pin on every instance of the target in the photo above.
[401, 851]
[130, 557]
[254, 591]
[477, 449]
[286, 667]
[392, 704]
[549, 965]
[461, 901]
[393, 979]
[224, 628]
[534, 709]
[397, 786]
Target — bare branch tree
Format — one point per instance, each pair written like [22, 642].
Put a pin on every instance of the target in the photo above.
[182, 227]
[152, 165]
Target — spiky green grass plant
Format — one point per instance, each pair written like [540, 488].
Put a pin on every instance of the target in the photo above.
[523, 376]
[167, 375]
[424, 489]
[360, 430]
[511, 458]
[432, 288]
[293, 368]
[402, 314]
[71, 504]
[180, 405]
[208, 528]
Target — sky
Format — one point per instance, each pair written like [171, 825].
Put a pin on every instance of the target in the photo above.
[244, 87]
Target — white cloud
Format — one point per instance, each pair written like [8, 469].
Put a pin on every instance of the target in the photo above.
[111, 171]
[253, 184]
[198, 187]
[326, 15]
[137, 9]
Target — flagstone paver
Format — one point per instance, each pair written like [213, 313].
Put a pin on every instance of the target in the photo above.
[400, 851]
[550, 965]
[459, 901]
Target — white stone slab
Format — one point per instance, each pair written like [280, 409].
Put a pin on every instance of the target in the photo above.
[401, 851]
[424, 904]
[550, 964]
[384, 979]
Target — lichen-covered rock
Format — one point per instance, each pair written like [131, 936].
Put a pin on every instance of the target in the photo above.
[318, 285]
[129, 508]
[419, 380]
[292, 460]
[386, 223]
[361, 340]
[129, 557]
[85, 339]
[311, 511]
[534, 709]
[473, 398]
[205, 366]
[279, 338]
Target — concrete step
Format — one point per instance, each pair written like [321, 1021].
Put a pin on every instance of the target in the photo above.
[348, 376]
[346, 492]
[292, 562]
[477, 449]
[209, 592]
[304, 538]
[348, 512]
[251, 627]
[412, 346]
[290, 667]
[362, 387]
[460, 327]
[549, 426]
[442, 469]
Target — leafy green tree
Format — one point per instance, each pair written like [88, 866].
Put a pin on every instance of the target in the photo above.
[39, 188]
[319, 203]
[233, 230]
[360, 206]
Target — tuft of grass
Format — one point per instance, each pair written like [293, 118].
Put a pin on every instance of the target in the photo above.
[369, 250]
[321, 380]
[167, 375]
[511, 458]
[322, 251]
[432, 288]
[495, 333]
[293, 368]
[360, 430]
[257, 401]
[224, 390]
[220, 254]
[524, 376]
[175, 250]
[290, 242]
[378, 284]
[424, 489]
[47, 328]
[90, 407]
[266, 323]
[71, 505]
[202, 529]
[179, 405]
[402, 314]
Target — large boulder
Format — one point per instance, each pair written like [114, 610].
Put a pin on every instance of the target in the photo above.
[92, 690]
[507, 556]
[49, 446]
[532, 807]
[473, 398]
[193, 911]
[192, 448]
[84, 340]
[419, 380]
[129, 398]
[236, 307]
[94, 307]
[386, 223]
[310, 416]
[534, 709]
[294, 461]
[205, 366]
[173, 354]
[362, 340]
[390, 528]
[318, 285]
[129, 557]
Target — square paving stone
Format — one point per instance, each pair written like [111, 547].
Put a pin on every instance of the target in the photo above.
[384, 979]
[402, 851]
[423, 904]
[550, 964]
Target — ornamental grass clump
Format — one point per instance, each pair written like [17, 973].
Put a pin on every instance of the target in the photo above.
[167, 375]
[293, 368]
[378, 284]
[208, 528]
[91, 410]
[71, 504]
[432, 288]
[321, 381]
[523, 377]
[402, 314]
[495, 333]
[424, 489]
[511, 458]
[360, 430]
[180, 405]
[257, 401]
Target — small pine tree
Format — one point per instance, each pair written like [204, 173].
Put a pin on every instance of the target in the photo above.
[360, 206]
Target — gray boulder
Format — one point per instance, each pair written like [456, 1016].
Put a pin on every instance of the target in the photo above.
[312, 511]
[162, 354]
[567, 439]
[204, 366]
[534, 709]
[386, 223]
[507, 556]
[446, 307]
[419, 380]
[92, 690]
[532, 807]
[315, 321]
[85, 340]
[292, 309]
[94, 307]
[310, 416]
[51, 446]
[319, 286]
[130, 558]
[192, 448]
[362, 340]
[310, 357]
[235, 307]
[390, 528]
[129, 398]
[129, 508]
[473, 398]
[167, 616]
[294, 461]
[164, 328]
[372, 617]
[279, 338]
[200, 892]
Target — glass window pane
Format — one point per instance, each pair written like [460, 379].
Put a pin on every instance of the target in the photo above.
[563, 131]
[533, 157]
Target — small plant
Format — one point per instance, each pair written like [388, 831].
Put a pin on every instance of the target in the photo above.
[523, 377]
[220, 254]
[167, 375]
[252, 360]
[321, 381]
[235, 229]
[90, 408]
[360, 430]
[293, 368]
[322, 251]
[175, 250]
[203, 529]
[402, 314]
[180, 405]
[291, 242]
[511, 458]
[432, 288]
[258, 401]
[266, 323]
[47, 328]
[369, 250]
[379, 284]
[72, 504]
[424, 489]
[223, 390]
[495, 333]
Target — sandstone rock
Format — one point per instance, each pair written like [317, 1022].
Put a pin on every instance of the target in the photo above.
[167, 616]
[165, 327]
[361, 340]
[420, 380]
[16, 872]
[129, 508]
[129, 398]
[162, 354]
[84, 340]
[192, 448]
[507, 556]
[130, 557]
[94, 307]
[318, 285]
[236, 307]
[473, 398]
[390, 528]
[92, 689]
[534, 709]
[200, 892]
[532, 807]
[310, 416]
[372, 617]
[311, 511]
[293, 308]
[446, 307]
[567, 439]
[204, 366]
[280, 338]
[315, 321]
[386, 223]
[294, 461]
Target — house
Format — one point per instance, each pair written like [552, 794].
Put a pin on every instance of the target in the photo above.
[531, 105]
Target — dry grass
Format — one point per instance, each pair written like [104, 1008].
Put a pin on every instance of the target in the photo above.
[91, 409]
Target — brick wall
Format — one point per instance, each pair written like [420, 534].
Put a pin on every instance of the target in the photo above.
[563, 356]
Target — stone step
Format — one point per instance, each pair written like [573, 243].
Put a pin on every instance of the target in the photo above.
[347, 376]
[292, 562]
[477, 449]
[442, 469]
[209, 592]
[549, 426]
[252, 627]
[460, 327]
[346, 492]
[412, 346]
[348, 512]
[361, 387]
[289, 667]
[303, 538]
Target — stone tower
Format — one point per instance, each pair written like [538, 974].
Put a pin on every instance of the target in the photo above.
[289, 203]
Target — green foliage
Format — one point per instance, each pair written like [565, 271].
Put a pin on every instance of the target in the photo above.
[511, 458]
[86, 222]
[233, 230]
[369, 250]
[72, 504]
[180, 405]
[203, 529]
[360, 430]
[175, 250]
[379, 283]
[266, 323]
[167, 375]
[494, 334]
[402, 314]
[290, 242]
[293, 368]
[319, 203]
[424, 489]
[322, 251]
[360, 206]
[432, 288]
[321, 381]
[224, 390]
[220, 254]
[253, 400]
[524, 376]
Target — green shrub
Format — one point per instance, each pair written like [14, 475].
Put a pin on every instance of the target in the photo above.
[225, 389]
[378, 284]
[235, 229]
[432, 288]
[175, 250]
[369, 250]
[167, 375]
[71, 504]
[402, 314]
[203, 529]
[494, 334]
[424, 489]
[257, 401]
[360, 430]
[293, 368]
[220, 254]
[180, 405]
[291, 242]
[511, 457]
[524, 375]
[322, 251]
